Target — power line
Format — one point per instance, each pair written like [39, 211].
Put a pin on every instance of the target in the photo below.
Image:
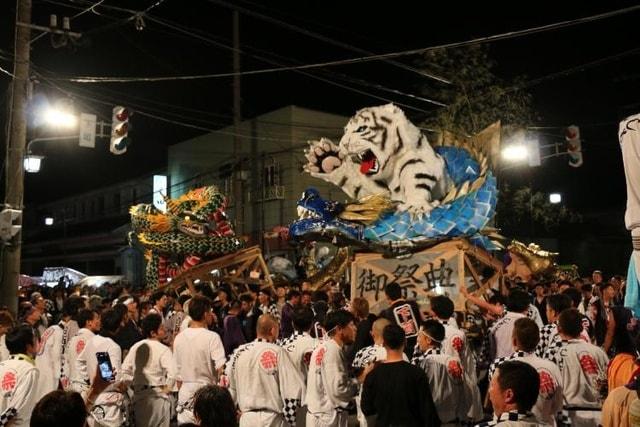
[363, 59]
[90, 8]
[176, 27]
[323, 38]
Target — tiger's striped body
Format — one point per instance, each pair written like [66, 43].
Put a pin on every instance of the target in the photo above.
[382, 152]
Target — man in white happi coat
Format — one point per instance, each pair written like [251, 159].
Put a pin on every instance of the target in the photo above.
[556, 304]
[445, 373]
[329, 388]
[513, 391]
[89, 323]
[584, 370]
[148, 370]
[501, 331]
[299, 346]
[18, 378]
[50, 357]
[110, 407]
[368, 355]
[263, 381]
[198, 356]
[455, 344]
[525, 338]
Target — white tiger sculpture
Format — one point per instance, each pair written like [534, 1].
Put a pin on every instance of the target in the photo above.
[382, 152]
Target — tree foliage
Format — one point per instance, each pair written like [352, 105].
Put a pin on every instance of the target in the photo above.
[477, 97]
[524, 212]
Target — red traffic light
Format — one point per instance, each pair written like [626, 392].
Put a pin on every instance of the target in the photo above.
[121, 113]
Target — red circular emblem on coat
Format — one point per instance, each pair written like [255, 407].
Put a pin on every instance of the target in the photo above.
[547, 385]
[43, 340]
[80, 346]
[457, 343]
[454, 369]
[320, 355]
[269, 360]
[9, 381]
[588, 364]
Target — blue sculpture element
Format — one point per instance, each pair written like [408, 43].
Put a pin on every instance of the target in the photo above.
[463, 216]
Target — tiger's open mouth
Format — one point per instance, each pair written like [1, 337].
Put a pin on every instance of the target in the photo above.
[368, 161]
[304, 213]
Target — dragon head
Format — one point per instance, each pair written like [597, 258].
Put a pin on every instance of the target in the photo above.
[198, 213]
[311, 205]
[374, 135]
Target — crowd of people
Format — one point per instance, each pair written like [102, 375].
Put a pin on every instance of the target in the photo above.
[554, 353]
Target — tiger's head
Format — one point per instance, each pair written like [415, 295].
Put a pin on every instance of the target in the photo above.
[375, 136]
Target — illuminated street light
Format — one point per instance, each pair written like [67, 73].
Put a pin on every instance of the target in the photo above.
[32, 163]
[48, 221]
[60, 118]
[516, 152]
[555, 198]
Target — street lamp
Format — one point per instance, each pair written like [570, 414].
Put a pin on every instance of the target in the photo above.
[555, 198]
[515, 152]
[60, 118]
[48, 221]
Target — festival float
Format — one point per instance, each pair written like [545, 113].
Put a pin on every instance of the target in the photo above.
[420, 214]
[192, 241]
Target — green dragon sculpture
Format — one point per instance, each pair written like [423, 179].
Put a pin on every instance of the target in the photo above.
[194, 229]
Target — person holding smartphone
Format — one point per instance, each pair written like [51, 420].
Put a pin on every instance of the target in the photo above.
[148, 369]
[101, 352]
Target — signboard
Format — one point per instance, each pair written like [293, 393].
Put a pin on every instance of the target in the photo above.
[440, 270]
[159, 192]
[87, 130]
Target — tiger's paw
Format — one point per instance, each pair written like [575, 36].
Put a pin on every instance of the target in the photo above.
[323, 157]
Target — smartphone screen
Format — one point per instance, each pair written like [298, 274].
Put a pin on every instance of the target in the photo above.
[105, 367]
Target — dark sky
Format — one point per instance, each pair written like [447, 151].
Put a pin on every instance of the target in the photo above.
[595, 98]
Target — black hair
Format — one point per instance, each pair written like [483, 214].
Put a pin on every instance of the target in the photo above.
[393, 291]
[434, 329]
[150, 323]
[337, 318]
[570, 322]
[246, 297]
[442, 306]
[523, 380]
[575, 296]
[18, 339]
[292, 294]
[527, 333]
[156, 296]
[59, 408]
[586, 287]
[183, 298]
[85, 315]
[558, 302]
[319, 296]
[393, 337]
[198, 307]
[302, 319]
[605, 285]
[214, 407]
[518, 301]
[111, 319]
[622, 336]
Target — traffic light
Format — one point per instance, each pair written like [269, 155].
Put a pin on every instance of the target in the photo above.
[574, 146]
[120, 129]
[9, 223]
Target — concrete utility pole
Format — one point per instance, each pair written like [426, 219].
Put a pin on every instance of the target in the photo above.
[237, 118]
[14, 179]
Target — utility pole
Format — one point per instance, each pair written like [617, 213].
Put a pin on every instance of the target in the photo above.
[14, 179]
[237, 118]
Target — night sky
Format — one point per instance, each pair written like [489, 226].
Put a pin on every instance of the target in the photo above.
[595, 98]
